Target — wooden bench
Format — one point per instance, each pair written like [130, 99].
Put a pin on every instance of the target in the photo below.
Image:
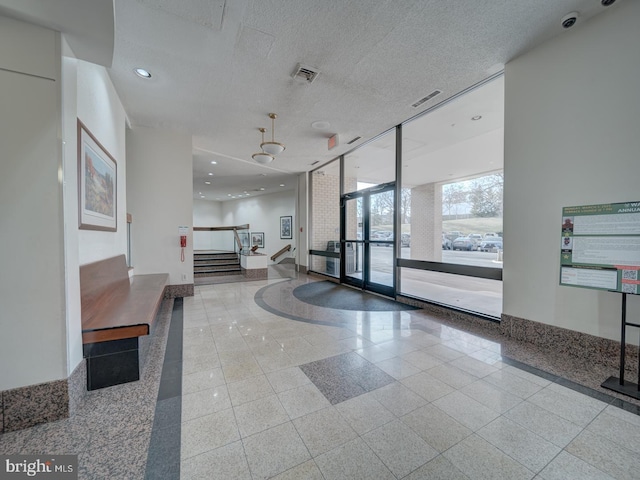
[118, 315]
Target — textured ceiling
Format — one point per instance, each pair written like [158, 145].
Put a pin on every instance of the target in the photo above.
[220, 66]
[376, 58]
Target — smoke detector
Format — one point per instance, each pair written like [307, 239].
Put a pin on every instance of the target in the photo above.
[305, 74]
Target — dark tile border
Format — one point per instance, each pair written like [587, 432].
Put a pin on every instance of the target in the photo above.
[163, 458]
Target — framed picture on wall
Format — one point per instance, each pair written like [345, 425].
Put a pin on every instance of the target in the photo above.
[97, 184]
[257, 238]
[286, 227]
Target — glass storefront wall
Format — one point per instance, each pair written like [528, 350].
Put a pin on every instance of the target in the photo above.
[451, 200]
[449, 206]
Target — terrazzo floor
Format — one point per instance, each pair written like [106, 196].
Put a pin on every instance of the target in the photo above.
[267, 386]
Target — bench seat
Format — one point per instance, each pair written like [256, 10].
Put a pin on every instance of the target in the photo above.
[118, 315]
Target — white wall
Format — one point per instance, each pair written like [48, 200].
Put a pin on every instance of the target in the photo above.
[571, 138]
[89, 95]
[159, 196]
[263, 214]
[32, 319]
[70, 193]
[100, 109]
[208, 213]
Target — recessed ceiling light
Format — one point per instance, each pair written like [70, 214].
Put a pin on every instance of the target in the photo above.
[262, 189]
[282, 184]
[141, 72]
[228, 194]
[321, 125]
[207, 183]
[477, 117]
[213, 162]
[211, 174]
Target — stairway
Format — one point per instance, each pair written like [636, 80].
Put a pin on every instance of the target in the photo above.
[208, 263]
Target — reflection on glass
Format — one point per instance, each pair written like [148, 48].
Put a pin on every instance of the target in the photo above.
[354, 260]
[381, 264]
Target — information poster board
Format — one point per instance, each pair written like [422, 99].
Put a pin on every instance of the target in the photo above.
[600, 247]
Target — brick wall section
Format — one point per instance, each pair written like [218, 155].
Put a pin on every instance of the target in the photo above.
[325, 211]
[426, 222]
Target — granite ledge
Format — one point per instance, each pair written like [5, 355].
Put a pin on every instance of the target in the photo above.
[25, 407]
[175, 291]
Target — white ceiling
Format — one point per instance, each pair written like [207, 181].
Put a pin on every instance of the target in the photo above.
[219, 67]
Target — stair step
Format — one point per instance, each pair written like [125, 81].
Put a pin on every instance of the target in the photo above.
[232, 261]
[206, 268]
[208, 256]
[216, 273]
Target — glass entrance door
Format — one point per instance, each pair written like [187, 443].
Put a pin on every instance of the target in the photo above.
[368, 239]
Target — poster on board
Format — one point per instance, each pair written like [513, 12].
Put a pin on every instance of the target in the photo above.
[600, 247]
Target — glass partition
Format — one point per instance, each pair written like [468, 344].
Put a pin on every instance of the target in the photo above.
[451, 200]
[372, 164]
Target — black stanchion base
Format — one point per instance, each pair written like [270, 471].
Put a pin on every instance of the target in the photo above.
[629, 388]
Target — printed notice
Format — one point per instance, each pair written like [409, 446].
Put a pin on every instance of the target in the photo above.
[616, 224]
[606, 250]
[587, 277]
[600, 246]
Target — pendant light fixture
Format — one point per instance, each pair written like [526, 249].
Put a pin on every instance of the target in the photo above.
[272, 147]
[263, 157]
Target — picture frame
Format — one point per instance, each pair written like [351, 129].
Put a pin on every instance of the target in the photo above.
[257, 238]
[97, 184]
[286, 227]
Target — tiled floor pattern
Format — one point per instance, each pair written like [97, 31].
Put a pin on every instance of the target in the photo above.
[454, 407]
[437, 403]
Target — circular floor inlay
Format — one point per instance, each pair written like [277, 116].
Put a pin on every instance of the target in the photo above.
[331, 295]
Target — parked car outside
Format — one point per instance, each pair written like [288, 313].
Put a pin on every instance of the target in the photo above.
[490, 235]
[446, 243]
[453, 235]
[491, 245]
[405, 240]
[464, 243]
[477, 237]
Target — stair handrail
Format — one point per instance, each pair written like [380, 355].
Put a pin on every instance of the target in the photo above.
[214, 229]
[280, 252]
[238, 241]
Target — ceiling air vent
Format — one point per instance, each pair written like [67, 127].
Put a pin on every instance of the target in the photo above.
[426, 99]
[305, 73]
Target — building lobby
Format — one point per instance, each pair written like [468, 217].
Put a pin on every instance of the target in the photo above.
[369, 347]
